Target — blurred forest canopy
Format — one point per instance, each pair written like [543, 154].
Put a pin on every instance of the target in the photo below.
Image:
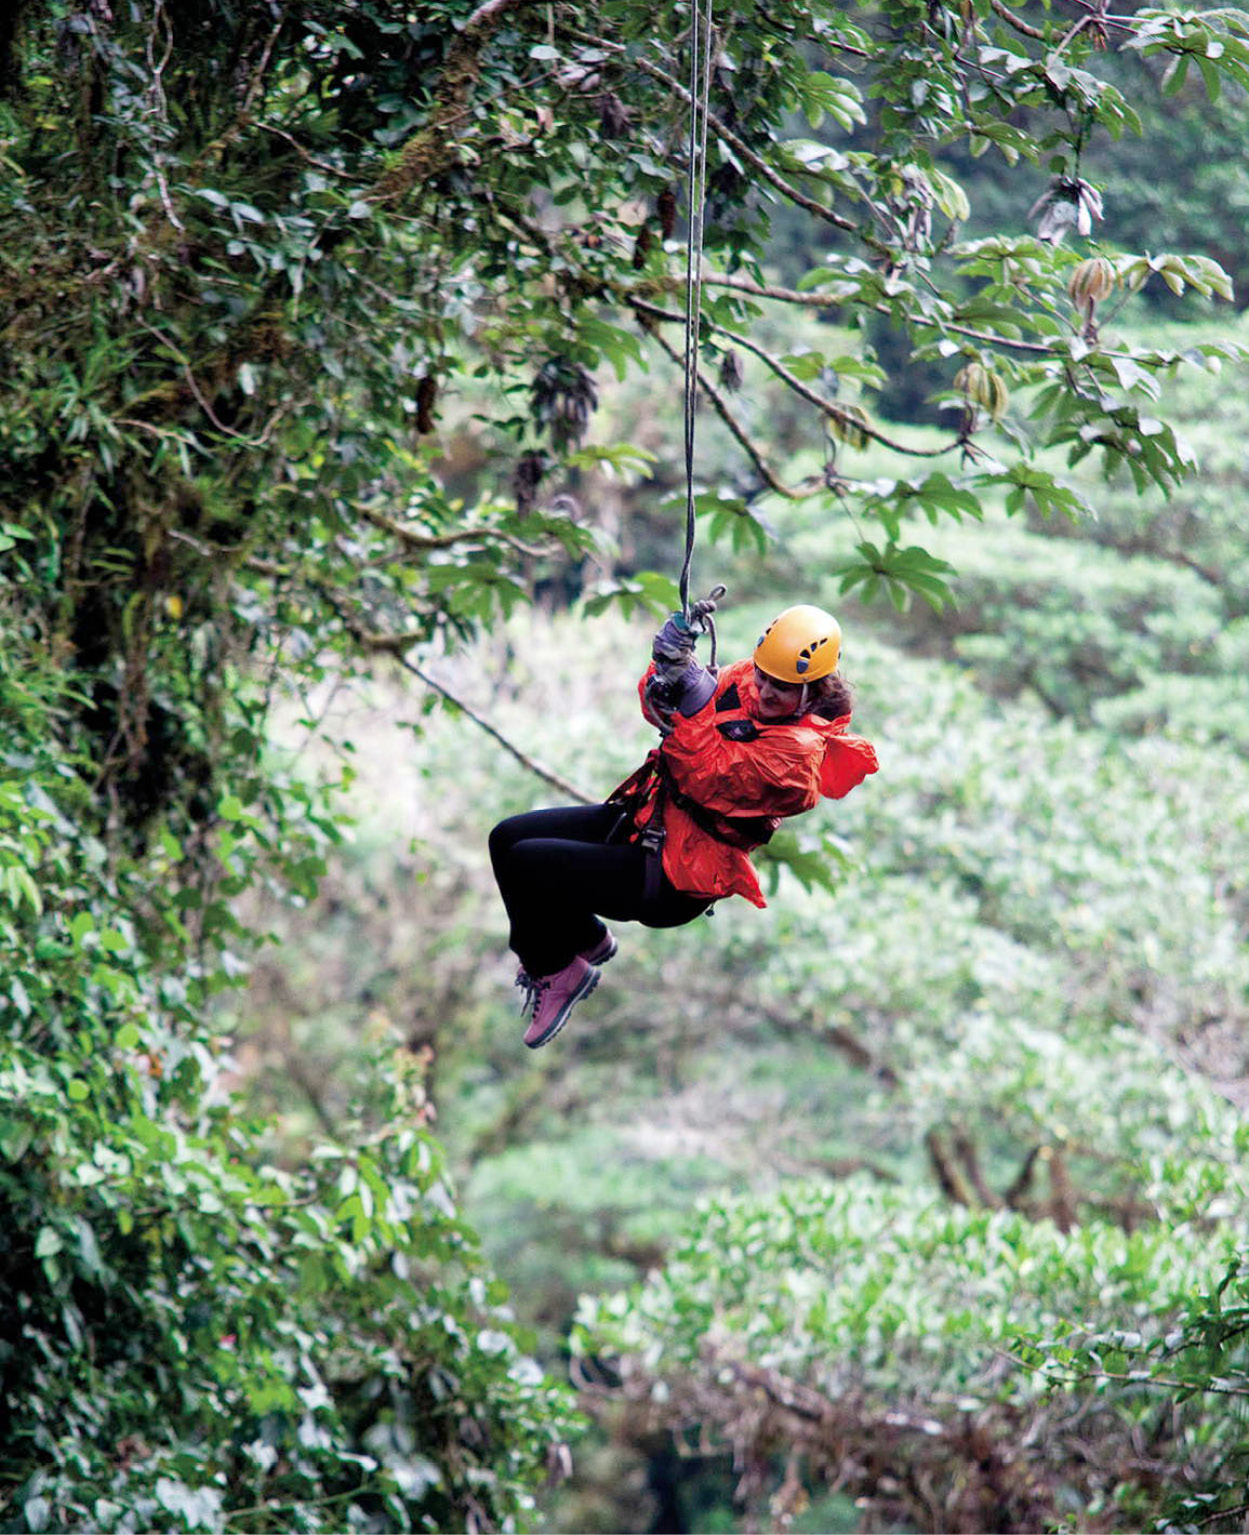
[308, 311]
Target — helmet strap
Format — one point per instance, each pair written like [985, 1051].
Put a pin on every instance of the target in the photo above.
[801, 707]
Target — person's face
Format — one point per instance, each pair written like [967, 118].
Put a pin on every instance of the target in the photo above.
[777, 700]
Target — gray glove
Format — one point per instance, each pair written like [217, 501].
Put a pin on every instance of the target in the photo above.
[679, 683]
[673, 647]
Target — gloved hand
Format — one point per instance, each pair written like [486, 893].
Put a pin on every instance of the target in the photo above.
[673, 647]
[678, 682]
[685, 694]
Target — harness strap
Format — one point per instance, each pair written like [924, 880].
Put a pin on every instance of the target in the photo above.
[744, 832]
[654, 783]
[652, 839]
[643, 787]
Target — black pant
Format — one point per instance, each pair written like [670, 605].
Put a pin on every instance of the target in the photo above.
[558, 873]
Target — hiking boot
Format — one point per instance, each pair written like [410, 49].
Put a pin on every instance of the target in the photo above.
[606, 948]
[602, 951]
[553, 997]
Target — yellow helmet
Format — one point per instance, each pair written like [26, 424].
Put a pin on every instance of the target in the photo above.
[802, 644]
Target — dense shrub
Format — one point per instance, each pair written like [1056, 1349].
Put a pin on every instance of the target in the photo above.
[192, 1333]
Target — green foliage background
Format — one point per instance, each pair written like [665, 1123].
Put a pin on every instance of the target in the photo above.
[334, 337]
[956, 1146]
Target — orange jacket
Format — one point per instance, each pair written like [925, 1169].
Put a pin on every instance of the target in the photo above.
[749, 769]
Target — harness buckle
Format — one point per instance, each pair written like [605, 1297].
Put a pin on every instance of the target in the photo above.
[651, 840]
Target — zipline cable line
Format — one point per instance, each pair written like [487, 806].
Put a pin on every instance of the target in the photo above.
[701, 29]
[696, 190]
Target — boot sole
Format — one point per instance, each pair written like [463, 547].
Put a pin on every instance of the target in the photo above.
[582, 991]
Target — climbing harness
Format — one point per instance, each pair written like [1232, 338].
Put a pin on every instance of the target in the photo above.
[655, 785]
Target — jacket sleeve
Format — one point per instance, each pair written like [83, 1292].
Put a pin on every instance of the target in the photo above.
[847, 762]
[642, 681]
[687, 692]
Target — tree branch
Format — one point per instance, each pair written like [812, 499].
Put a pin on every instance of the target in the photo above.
[826, 407]
[725, 134]
[1017, 22]
[214, 151]
[816, 301]
[396, 644]
[770, 290]
[965, 1151]
[949, 1176]
[849, 1045]
[1212, 1385]
[430, 151]
[424, 541]
[562, 784]
[202, 400]
[741, 436]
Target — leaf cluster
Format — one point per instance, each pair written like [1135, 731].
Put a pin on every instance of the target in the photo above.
[195, 1336]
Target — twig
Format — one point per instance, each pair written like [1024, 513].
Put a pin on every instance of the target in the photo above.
[817, 301]
[258, 74]
[157, 96]
[849, 1045]
[202, 400]
[309, 159]
[525, 761]
[1017, 22]
[243, 118]
[828, 408]
[396, 644]
[1075, 30]
[770, 290]
[156, 431]
[1163, 1382]
[742, 437]
[276, 1505]
[1223, 1513]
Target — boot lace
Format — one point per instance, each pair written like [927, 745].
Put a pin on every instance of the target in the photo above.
[532, 993]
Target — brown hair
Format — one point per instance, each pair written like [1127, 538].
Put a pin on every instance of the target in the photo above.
[831, 697]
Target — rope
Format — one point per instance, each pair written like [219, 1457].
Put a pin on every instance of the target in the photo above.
[700, 615]
[696, 187]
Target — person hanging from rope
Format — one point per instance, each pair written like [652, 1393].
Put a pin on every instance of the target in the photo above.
[742, 749]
